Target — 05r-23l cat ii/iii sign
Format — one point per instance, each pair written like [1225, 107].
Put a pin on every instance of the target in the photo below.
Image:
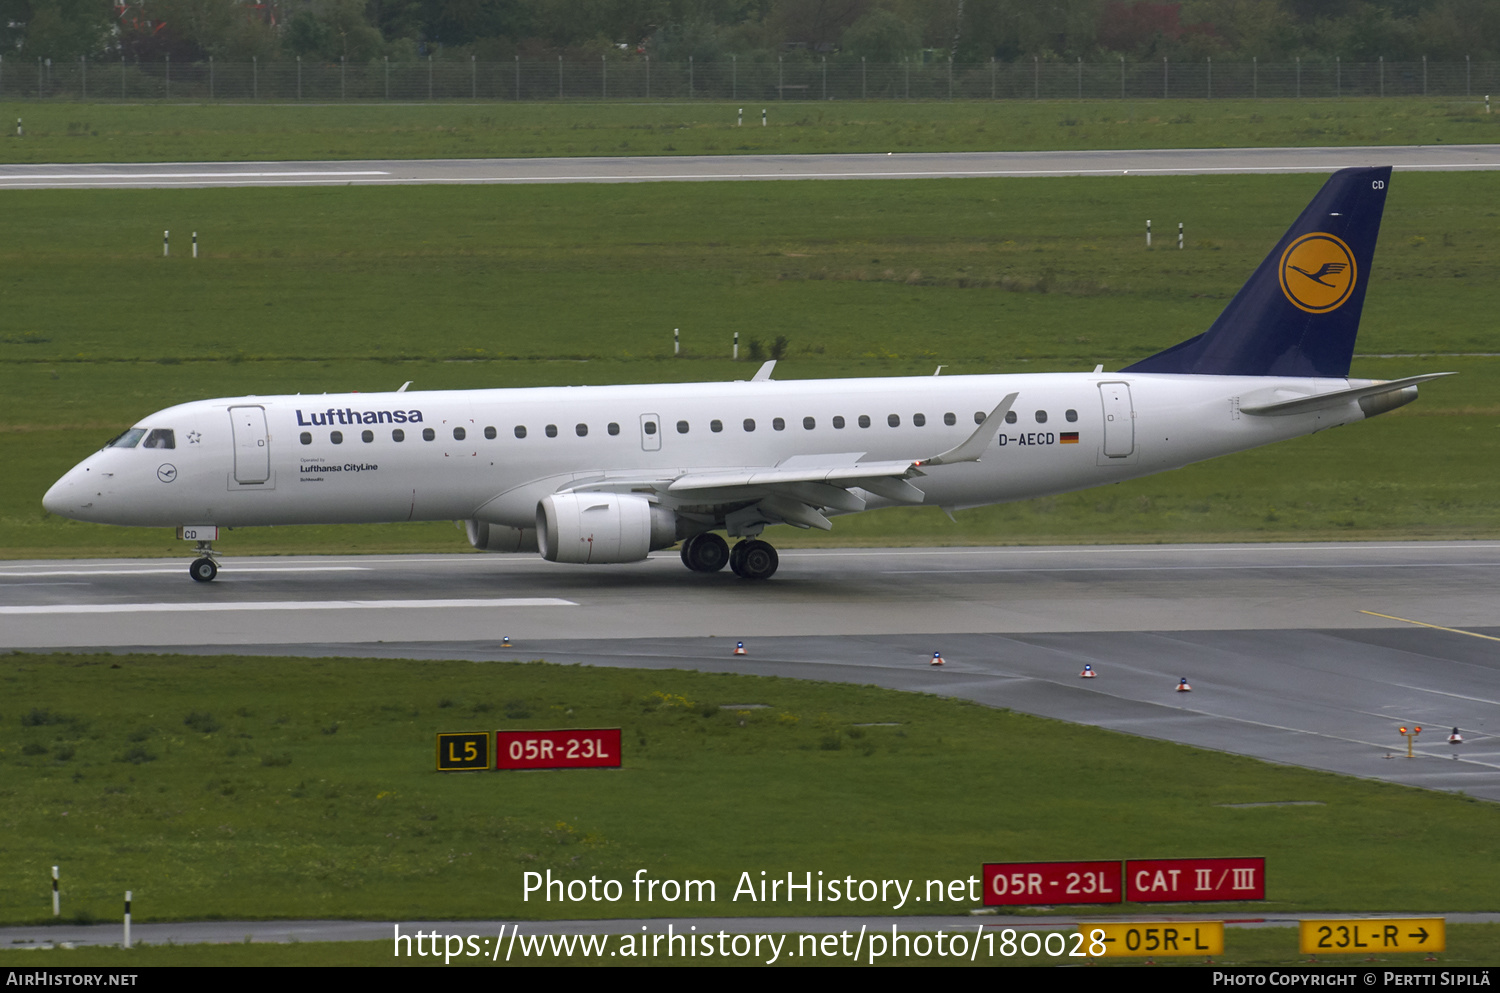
[607, 474]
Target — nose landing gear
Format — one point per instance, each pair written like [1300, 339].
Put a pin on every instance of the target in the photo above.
[204, 568]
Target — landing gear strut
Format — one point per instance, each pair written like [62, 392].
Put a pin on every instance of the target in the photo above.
[705, 552]
[754, 559]
[204, 568]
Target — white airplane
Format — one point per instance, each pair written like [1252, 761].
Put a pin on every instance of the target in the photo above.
[607, 474]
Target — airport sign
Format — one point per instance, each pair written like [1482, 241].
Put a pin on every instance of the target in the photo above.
[1115, 940]
[466, 751]
[570, 749]
[1194, 880]
[1383, 934]
[1011, 884]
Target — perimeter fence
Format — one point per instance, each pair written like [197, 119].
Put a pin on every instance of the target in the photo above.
[733, 79]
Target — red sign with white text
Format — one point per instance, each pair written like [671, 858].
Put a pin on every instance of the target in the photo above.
[1012, 884]
[1191, 880]
[574, 749]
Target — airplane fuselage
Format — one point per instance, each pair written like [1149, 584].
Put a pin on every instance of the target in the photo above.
[491, 455]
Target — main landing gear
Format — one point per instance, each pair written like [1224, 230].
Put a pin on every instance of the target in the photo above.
[751, 559]
[204, 568]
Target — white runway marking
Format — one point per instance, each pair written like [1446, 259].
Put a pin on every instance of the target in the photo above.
[175, 570]
[90, 176]
[148, 608]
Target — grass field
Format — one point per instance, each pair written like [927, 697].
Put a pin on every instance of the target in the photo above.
[254, 788]
[165, 132]
[319, 290]
[1468, 945]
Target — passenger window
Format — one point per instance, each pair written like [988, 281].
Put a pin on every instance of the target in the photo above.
[979, 418]
[808, 423]
[950, 419]
[920, 420]
[1010, 417]
[520, 430]
[864, 420]
[749, 424]
[894, 420]
[1071, 416]
[716, 426]
[1041, 417]
[682, 427]
[307, 437]
[428, 434]
[614, 428]
[838, 423]
[777, 424]
[489, 434]
[459, 434]
[650, 427]
[398, 435]
[367, 436]
[551, 430]
[160, 438]
[337, 437]
[581, 430]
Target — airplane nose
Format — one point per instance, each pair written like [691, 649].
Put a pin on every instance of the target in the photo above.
[56, 499]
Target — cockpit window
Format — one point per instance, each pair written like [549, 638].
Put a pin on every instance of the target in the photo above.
[160, 438]
[128, 439]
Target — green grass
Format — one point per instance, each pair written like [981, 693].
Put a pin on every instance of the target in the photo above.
[246, 788]
[317, 290]
[1468, 945]
[59, 131]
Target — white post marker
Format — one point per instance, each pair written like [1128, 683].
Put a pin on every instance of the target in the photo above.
[1179, 236]
[1148, 232]
[165, 239]
[676, 341]
[736, 346]
[56, 904]
[19, 132]
[195, 244]
[763, 117]
[740, 122]
[127, 919]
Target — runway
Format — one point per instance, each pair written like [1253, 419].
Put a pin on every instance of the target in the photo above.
[708, 168]
[1304, 654]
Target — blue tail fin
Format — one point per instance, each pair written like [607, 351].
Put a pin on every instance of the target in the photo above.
[1298, 315]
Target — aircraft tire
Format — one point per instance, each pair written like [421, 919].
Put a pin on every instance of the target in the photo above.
[203, 570]
[705, 552]
[754, 559]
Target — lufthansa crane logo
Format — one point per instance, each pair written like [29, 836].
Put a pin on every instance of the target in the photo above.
[1318, 273]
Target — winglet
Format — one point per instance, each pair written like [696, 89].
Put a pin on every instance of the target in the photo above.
[763, 375]
[977, 442]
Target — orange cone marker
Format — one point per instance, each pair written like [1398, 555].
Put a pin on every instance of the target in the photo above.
[1088, 672]
[505, 642]
[937, 658]
[739, 648]
[1182, 686]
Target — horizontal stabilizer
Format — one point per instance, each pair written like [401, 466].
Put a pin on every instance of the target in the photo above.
[1324, 401]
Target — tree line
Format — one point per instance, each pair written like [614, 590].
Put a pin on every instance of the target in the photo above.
[757, 30]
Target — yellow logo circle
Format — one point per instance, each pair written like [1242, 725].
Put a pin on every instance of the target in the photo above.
[1317, 272]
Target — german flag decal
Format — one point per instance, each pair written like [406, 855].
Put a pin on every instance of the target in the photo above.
[1068, 438]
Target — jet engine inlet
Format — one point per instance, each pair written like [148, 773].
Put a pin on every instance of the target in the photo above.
[601, 528]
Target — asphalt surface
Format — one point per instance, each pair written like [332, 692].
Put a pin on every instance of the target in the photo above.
[706, 168]
[1306, 655]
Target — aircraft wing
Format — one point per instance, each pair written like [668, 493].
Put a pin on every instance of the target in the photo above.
[797, 490]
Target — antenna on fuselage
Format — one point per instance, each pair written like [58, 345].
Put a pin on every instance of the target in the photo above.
[404, 386]
[764, 373]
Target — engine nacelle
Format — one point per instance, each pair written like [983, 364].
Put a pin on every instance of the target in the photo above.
[499, 538]
[598, 528]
